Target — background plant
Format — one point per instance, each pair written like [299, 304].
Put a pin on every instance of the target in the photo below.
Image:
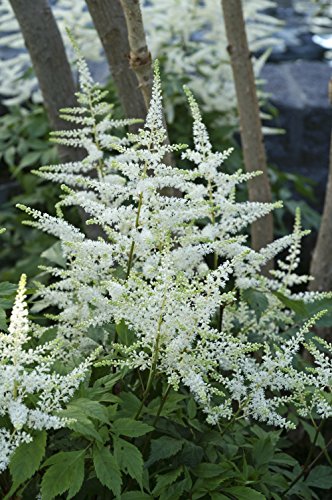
[189, 51]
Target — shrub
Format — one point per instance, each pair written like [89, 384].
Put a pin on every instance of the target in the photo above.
[197, 343]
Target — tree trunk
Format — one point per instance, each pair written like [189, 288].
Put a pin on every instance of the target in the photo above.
[140, 56]
[110, 23]
[141, 63]
[44, 43]
[250, 123]
[321, 268]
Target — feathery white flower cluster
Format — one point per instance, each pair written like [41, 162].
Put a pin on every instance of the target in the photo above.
[31, 391]
[176, 271]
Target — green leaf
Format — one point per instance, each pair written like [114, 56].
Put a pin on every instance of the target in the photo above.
[191, 454]
[218, 496]
[3, 322]
[85, 427]
[320, 477]
[55, 254]
[129, 459]
[304, 311]
[90, 408]
[7, 289]
[107, 470]
[9, 156]
[176, 490]
[125, 335]
[26, 460]
[283, 459]
[129, 404]
[66, 472]
[191, 408]
[80, 412]
[244, 493]
[130, 427]
[136, 495]
[207, 470]
[29, 159]
[256, 300]
[310, 429]
[163, 447]
[263, 451]
[164, 480]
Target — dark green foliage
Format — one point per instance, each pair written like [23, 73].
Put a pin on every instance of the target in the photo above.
[173, 456]
[24, 146]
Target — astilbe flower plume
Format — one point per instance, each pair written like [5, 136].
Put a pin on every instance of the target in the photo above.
[177, 271]
[31, 391]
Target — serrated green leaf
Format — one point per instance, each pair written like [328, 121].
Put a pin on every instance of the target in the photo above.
[107, 470]
[164, 480]
[66, 472]
[26, 460]
[129, 459]
[129, 404]
[136, 495]
[163, 447]
[85, 427]
[90, 408]
[175, 491]
[130, 427]
[206, 470]
[244, 493]
[320, 477]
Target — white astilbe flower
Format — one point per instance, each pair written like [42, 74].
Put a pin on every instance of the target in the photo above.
[31, 392]
[177, 270]
[286, 272]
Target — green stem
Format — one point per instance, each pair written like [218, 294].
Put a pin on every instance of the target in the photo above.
[161, 406]
[154, 361]
[215, 254]
[132, 248]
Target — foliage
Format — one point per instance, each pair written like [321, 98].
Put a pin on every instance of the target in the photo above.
[24, 143]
